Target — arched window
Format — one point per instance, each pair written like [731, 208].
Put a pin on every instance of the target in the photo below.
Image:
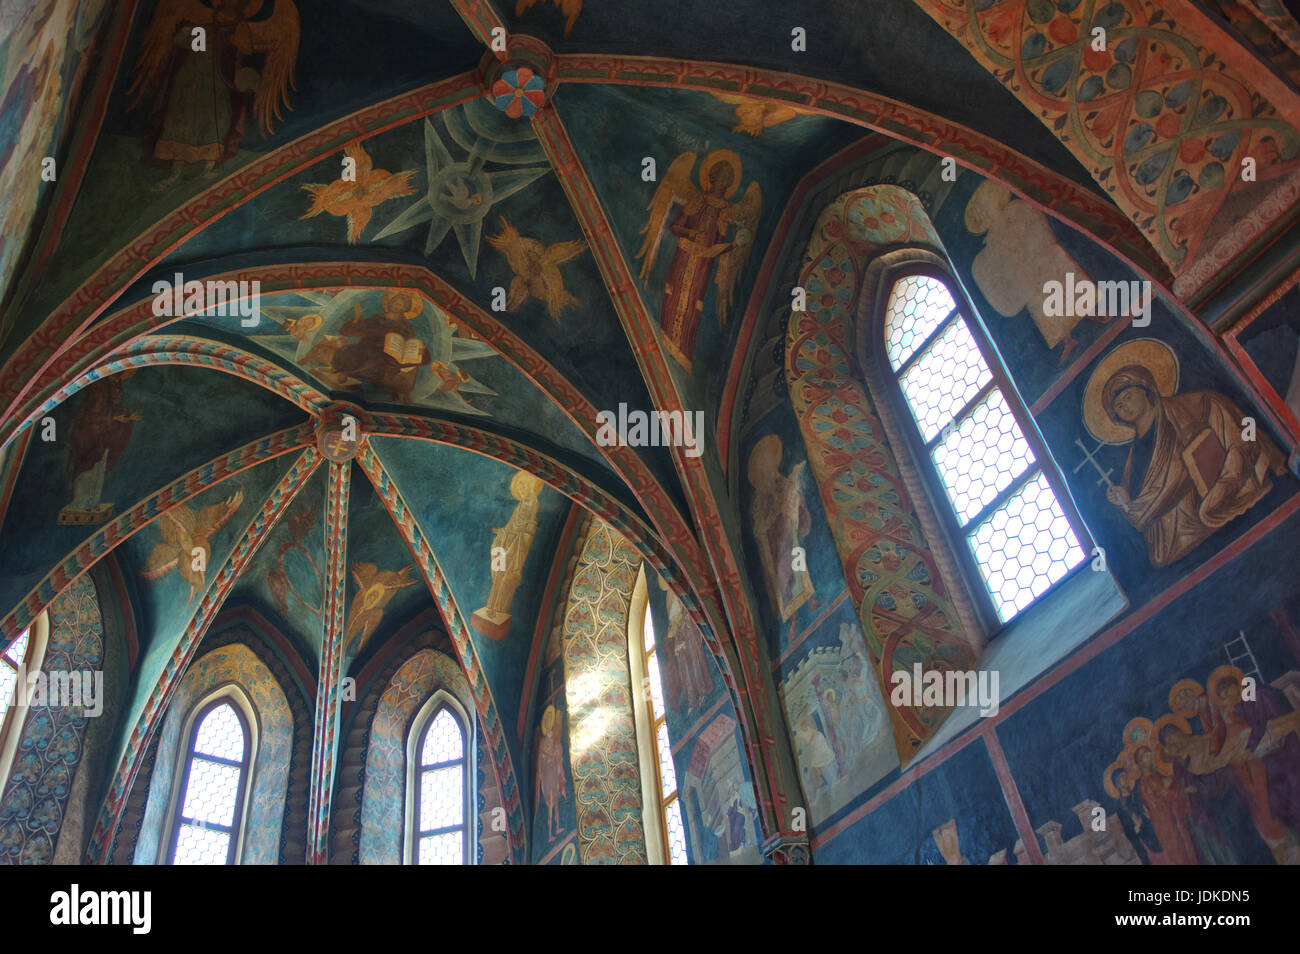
[1004, 494]
[441, 810]
[13, 666]
[209, 813]
[18, 664]
[670, 809]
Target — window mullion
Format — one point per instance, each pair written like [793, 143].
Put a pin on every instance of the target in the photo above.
[1011, 489]
[965, 410]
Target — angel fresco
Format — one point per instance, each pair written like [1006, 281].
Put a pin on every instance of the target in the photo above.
[202, 94]
[185, 534]
[1189, 469]
[714, 239]
[375, 589]
[357, 197]
[536, 268]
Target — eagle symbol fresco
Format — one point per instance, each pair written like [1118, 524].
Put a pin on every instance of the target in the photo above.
[536, 268]
[205, 72]
[357, 197]
[375, 589]
[714, 239]
[187, 534]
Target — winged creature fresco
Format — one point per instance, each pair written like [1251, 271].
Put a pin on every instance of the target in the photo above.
[356, 198]
[753, 115]
[714, 239]
[568, 8]
[375, 588]
[205, 70]
[184, 534]
[536, 268]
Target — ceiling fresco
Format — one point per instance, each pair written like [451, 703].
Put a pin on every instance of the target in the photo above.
[451, 265]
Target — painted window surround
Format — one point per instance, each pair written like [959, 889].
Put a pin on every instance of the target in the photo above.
[440, 699]
[235, 695]
[1060, 620]
[656, 826]
[11, 731]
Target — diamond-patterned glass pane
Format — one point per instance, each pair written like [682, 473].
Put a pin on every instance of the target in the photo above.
[448, 849]
[442, 740]
[1025, 546]
[648, 629]
[666, 770]
[944, 379]
[656, 685]
[442, 800]
[981, 456]
[8, 680]
[917, 306]
[220, 734]
[18, 649]
[201, 846]
[676, 834]
[211, 793]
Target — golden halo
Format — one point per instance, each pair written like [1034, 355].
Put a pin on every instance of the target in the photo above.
[1180, 687]
[524, 484]
[1108, 780]
[417, 303]
[1149, 353]
[711, 160]
[1138, 731]
[1218, 676]
[310, 321]
[548, 720]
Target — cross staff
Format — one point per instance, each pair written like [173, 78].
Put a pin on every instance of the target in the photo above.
[1088, 458]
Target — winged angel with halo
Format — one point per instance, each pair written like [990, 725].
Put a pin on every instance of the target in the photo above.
[704, 250]
[204, 70]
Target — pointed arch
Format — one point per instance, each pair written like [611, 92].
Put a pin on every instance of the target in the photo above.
[906, 610]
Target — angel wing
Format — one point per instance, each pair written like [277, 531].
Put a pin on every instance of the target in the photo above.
[675, 187]
[360, 158]
[277, 38]
[562, 252]
[162, 560]
[177, 524]
[159, 41]
[363, 573]
[744, 215]
[214, 516]
[506, 241]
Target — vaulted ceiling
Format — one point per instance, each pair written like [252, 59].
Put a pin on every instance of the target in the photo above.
[448, 211]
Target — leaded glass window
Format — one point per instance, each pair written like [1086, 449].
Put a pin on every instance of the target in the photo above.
[211, 795]
[968, 418]
[670, 805]
[441, 823]
[11, 661]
